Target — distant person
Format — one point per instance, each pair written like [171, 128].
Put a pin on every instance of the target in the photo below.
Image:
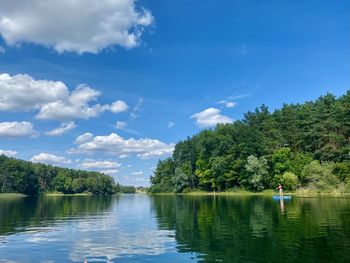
[280, 189]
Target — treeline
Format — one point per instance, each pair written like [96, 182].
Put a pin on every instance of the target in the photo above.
[300, 145]
[34, 178]
[124, 189]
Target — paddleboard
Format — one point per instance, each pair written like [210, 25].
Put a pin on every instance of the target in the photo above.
[285, 197]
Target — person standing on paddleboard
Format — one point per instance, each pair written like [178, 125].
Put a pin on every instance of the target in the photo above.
[280, 189]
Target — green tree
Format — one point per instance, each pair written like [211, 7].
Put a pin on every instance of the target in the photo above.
[290, 181]
[320, 176]
[256, 171]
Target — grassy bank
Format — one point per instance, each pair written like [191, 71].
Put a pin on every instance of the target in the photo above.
[11, 195]
[299, 193]
[63, 194]
[304, 192]
[238, 192]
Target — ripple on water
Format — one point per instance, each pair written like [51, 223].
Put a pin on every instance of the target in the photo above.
[179, 229]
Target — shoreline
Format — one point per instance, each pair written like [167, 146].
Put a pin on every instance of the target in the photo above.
[302, 193]
[9, 195]
[63, 194]
[268, 193]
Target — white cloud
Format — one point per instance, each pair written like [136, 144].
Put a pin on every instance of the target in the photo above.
[117, 145]
[84, 138]
[50, 159]
[75, 26]
[171, 124]
[118, 106]
[110, 171]
[210, 117]
[137, 173]
[17, 129]
[120, 125]
[23, 93]
[8, 153]
[92, 164]
[51, 99]
[136, 109]
[76, 105]
[64, 127]
[228, 104]
[123, 156]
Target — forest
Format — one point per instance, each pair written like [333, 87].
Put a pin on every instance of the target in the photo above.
[302, 146]
[29, 178]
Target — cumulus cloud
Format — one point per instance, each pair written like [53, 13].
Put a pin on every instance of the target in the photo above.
[210, 117]
[50, 159]
[17, 129]
[64, 127]
[8, 153]
[92, 164]
[76, 105]
[51, 99]
[114, 144]
[22, 93]
[118, 106]
[98, 25]
[84, 138]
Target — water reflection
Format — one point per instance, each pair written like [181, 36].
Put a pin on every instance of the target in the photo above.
[282, 205]
[69, 229]
[140, 228]
[258, 229]
[22, 213]
[113, 237]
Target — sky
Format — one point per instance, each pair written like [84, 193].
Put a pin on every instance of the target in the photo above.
[113, 85]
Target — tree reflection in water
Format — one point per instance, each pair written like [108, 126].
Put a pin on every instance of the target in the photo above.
[258, 229]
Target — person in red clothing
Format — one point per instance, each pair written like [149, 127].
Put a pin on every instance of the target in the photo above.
[280, 189]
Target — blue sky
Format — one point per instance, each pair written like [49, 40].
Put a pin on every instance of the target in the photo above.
[115, 87]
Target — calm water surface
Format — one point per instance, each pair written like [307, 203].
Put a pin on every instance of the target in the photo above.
[141, 228]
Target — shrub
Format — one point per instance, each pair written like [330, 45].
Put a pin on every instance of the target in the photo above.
[290, 181]
[320, 176]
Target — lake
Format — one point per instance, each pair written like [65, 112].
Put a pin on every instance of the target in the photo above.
[141, 228]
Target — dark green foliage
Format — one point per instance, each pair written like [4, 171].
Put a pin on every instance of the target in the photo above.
[342, 170]
[162, 180]
[124, 189]
[319, 176]
[264, 149]
[289, 181]
[35, 178]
